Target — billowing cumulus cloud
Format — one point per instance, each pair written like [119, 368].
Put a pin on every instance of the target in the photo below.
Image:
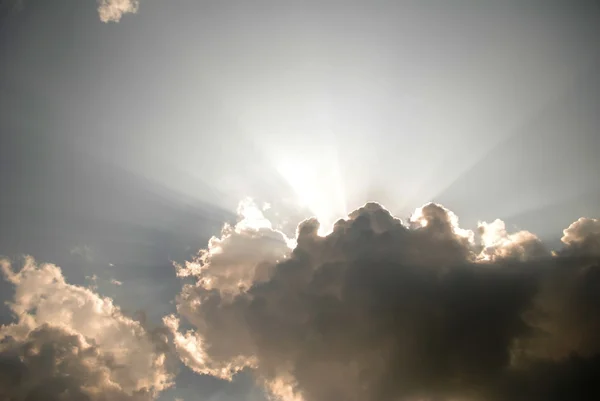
[583, 236]
[242, 256]
[498, 244]
[68, 343]
[381, 309]
[113, 10]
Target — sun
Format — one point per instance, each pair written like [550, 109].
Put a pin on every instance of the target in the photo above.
[318, 187]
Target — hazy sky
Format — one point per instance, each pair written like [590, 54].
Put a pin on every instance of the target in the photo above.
[125, 145]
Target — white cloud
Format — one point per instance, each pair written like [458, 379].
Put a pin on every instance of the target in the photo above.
[113, 353]
[583, 235]
[498, 244]
[242, 255]
[113, 10]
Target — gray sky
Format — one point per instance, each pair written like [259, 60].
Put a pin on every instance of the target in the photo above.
[124, 146]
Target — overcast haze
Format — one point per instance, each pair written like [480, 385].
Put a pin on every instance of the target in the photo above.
[131, 131]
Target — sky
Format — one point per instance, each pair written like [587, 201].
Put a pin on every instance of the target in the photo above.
[134, 134]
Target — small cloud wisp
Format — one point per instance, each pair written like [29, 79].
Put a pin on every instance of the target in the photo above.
[113, 10]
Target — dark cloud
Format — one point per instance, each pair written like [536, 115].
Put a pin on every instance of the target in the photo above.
[381, 309]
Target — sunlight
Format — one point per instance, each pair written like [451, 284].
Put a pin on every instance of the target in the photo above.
[318, 186]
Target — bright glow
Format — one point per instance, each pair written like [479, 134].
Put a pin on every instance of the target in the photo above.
[252, 217]
[318, 186]
[418, 217]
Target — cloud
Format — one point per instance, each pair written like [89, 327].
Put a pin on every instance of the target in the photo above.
[68, 343]
[498, 244]
[113, 10]
[382, 309]
[243, 254]
[583, 236]
[379, 309]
